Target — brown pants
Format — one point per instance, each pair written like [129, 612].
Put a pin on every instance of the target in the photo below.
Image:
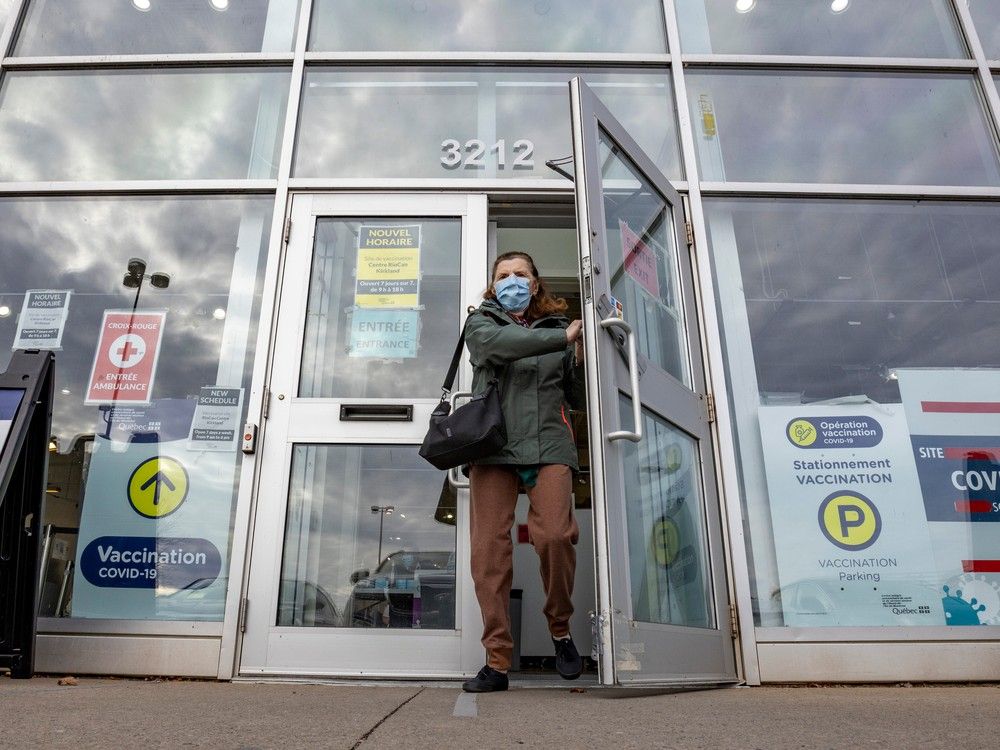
[553, 532]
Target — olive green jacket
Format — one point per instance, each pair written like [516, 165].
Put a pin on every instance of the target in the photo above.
[539, 380]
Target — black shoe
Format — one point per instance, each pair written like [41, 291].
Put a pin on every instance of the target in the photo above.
[569, 664]
[488, 680]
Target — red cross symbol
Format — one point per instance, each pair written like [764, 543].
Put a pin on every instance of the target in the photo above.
[126, 351]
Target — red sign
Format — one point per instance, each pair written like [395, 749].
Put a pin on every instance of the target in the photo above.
[125, 361]
[640, 260]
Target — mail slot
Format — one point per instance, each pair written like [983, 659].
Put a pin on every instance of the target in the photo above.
[376, 412]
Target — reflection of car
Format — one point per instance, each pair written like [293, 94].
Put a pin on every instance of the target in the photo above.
[408, 590]
[301, 603]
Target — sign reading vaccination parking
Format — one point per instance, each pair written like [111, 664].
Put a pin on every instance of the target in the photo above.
[388, 270]
[851, 538]
[125, 361]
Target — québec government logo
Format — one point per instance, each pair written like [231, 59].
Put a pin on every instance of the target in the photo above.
[834, 432]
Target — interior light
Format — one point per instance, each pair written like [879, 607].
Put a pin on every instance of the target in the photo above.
[219, 313]
[142, 5]
[219, 4]
[64, 391]
[53, 446]
[839, 6]
[449, 516]
[745, 6]
[4, 311]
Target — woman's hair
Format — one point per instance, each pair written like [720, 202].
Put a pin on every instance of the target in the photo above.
[542, 303]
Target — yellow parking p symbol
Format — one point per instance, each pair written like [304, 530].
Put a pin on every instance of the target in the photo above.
[850, 520]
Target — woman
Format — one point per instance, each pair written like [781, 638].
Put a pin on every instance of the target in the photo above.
[520, 336]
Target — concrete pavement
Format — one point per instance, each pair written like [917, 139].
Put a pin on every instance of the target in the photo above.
[114, 713]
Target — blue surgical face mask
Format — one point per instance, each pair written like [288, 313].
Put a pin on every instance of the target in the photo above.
[513, 293]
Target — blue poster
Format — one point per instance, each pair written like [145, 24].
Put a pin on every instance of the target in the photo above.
[10, 399]
[386, 334]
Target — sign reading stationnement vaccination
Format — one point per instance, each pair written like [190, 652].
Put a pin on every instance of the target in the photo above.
[43, 319]
[851, 538]
[388, 270]
[125, 361]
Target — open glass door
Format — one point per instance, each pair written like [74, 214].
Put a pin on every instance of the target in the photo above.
[663, 609]
[359, 557]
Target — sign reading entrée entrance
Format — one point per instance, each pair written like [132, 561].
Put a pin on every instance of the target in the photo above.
[126, 357]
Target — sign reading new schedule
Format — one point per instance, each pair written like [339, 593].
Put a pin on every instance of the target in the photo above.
[388, 266]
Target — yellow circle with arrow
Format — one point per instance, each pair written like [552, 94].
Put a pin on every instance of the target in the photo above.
[157, 487]
[666, 541]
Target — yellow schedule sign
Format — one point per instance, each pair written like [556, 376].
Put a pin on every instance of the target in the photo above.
[388, 274]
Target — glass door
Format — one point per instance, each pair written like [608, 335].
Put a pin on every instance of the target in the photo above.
[663, 609]
[359, 559]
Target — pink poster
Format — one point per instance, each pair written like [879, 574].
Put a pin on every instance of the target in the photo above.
[640, 260]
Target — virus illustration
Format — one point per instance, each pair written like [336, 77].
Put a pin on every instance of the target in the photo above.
[977, 602]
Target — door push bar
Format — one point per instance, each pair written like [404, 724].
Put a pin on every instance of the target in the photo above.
[633, 373]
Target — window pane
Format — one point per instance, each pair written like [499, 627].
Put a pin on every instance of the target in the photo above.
[865, 28]
[140, 27]
[489, 26]
[369, 540]
[639, 235]
[865, 405]
[986, 16]
[467, 123]
[667, 541]
[876, 128]
[141, 125]
[195, 312]
[361, 345]
[6, 7]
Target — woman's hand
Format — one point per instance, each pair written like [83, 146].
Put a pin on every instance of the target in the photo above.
[573, 331]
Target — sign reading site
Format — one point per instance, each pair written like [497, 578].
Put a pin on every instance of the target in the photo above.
[43, 319]
[851, 538]
[388, 274]
[126, 357]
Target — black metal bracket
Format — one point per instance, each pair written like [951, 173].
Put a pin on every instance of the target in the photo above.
[27, 388]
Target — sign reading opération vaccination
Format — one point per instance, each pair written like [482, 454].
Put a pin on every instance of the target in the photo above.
[388, 270]
[216, 423]
[954, 419]
[125, 361]
[43, 319]
[850, 534]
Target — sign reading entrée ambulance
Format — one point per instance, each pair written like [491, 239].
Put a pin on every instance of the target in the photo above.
[126, 357]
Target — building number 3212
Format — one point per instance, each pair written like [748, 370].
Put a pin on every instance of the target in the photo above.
[473, 153]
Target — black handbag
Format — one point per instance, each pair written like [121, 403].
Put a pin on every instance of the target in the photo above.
[474, 430]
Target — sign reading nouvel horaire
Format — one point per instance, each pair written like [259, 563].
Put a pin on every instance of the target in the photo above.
[43, 319]
[125, 361]
[388, 274]
[850, 533]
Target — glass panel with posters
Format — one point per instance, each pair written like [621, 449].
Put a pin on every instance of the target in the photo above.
[151, 306]
[841, 127]
[865, 399]
[462, 123]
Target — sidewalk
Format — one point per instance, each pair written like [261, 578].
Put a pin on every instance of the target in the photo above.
[112, 713]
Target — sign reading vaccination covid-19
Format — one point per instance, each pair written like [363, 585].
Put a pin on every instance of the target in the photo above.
[851, 537]
[154, 527]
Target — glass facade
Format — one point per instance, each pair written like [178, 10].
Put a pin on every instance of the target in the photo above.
[856, 302]
[462, 123]
[489, 25]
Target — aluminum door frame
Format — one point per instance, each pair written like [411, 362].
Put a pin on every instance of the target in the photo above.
[679, 655]
[266, 649]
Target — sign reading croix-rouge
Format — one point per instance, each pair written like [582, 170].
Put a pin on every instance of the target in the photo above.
[125, 361]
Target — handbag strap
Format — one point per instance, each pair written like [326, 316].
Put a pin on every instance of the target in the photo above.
[449, 379]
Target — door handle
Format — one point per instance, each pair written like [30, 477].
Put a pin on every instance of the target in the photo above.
[633, 373]
[455, 478]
